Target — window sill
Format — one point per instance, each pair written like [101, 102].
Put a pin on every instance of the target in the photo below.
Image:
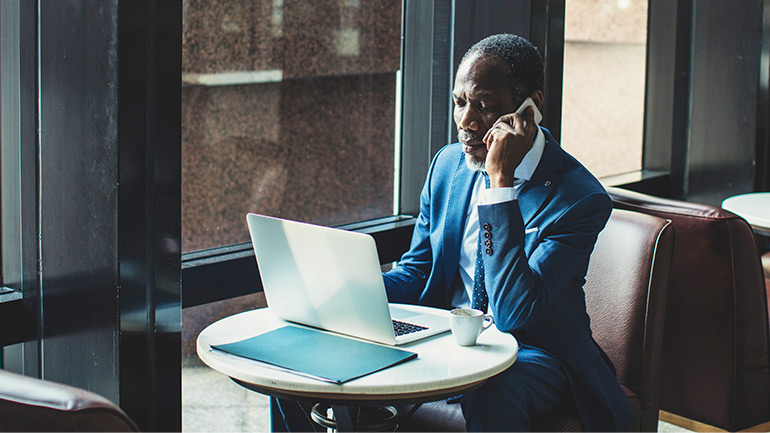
[11, 317]
[657, 183]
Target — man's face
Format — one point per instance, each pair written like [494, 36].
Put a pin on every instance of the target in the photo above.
[481, 96]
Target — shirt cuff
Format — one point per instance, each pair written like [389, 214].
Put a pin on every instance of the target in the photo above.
[496, 195]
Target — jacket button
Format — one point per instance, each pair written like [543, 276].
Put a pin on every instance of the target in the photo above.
[487, 226]
[488, 235]
[488, 243]
[489, 251]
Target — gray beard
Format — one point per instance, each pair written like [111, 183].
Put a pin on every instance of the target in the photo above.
[474, 164]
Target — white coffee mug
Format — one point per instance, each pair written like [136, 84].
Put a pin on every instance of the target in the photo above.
[467, 324]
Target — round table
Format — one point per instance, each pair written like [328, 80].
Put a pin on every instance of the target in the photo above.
[442, 368]
[753, 207]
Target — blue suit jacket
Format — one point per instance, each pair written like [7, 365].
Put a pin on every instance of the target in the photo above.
[534, 278]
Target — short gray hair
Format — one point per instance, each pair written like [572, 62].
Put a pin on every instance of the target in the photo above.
[525, 68]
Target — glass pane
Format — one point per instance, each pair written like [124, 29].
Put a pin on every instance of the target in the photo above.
[287, 110]
[604, 69]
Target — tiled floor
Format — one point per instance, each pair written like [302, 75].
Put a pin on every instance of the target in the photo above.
[666, 427]
[211, 402]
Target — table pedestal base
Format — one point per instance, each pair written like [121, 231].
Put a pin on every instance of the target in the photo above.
[345, 418]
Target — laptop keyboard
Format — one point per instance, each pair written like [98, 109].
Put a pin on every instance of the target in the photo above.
[403, 328]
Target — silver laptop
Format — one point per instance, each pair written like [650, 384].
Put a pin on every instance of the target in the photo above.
[331, 279]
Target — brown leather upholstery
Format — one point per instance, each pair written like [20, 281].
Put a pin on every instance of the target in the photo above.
[30, 404]
[625, 289]
[766, 267]
[716, 367]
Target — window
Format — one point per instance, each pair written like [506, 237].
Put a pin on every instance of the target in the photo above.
[604, 84]
[287, 110]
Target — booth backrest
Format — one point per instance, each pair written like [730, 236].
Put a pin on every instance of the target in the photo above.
[626, 290]
[31, 404]
[716, 354]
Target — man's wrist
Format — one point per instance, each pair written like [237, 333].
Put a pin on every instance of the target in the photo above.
[500, 181]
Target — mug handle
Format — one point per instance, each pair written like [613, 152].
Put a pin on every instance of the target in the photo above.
[488, 321]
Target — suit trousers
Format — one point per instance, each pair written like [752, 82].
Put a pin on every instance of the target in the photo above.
[534, 385]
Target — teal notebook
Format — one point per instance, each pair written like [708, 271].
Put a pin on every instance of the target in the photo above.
[318, 355]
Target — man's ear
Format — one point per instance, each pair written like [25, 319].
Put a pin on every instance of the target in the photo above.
[537, 97]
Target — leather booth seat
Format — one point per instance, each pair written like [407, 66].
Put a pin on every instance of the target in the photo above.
[30, 404]
[626, 289]
[766, 269]
[716, 354]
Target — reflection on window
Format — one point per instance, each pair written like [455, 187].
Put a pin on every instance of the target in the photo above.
[287, 110]
[604, 69]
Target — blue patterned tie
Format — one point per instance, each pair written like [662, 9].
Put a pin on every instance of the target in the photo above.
[480, 300]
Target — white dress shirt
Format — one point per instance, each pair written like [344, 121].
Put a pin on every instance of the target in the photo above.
[482, 196]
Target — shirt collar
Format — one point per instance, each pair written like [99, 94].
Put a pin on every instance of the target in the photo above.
[528, 165]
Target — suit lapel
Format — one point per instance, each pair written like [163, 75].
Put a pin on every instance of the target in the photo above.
[454, 221]
[531, 197]
[544, 180]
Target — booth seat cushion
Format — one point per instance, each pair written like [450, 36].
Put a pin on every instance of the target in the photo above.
[30, 404]
[434, 416]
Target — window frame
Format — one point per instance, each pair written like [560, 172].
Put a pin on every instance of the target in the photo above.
[19, 304]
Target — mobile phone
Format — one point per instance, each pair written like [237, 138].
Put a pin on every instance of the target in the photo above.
[530, 103]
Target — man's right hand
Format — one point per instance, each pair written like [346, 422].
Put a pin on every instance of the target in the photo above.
[508, 141]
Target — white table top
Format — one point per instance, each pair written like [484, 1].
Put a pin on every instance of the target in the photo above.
[442, 367]
[753, 207]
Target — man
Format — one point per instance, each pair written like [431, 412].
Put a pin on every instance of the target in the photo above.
[538, 219]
